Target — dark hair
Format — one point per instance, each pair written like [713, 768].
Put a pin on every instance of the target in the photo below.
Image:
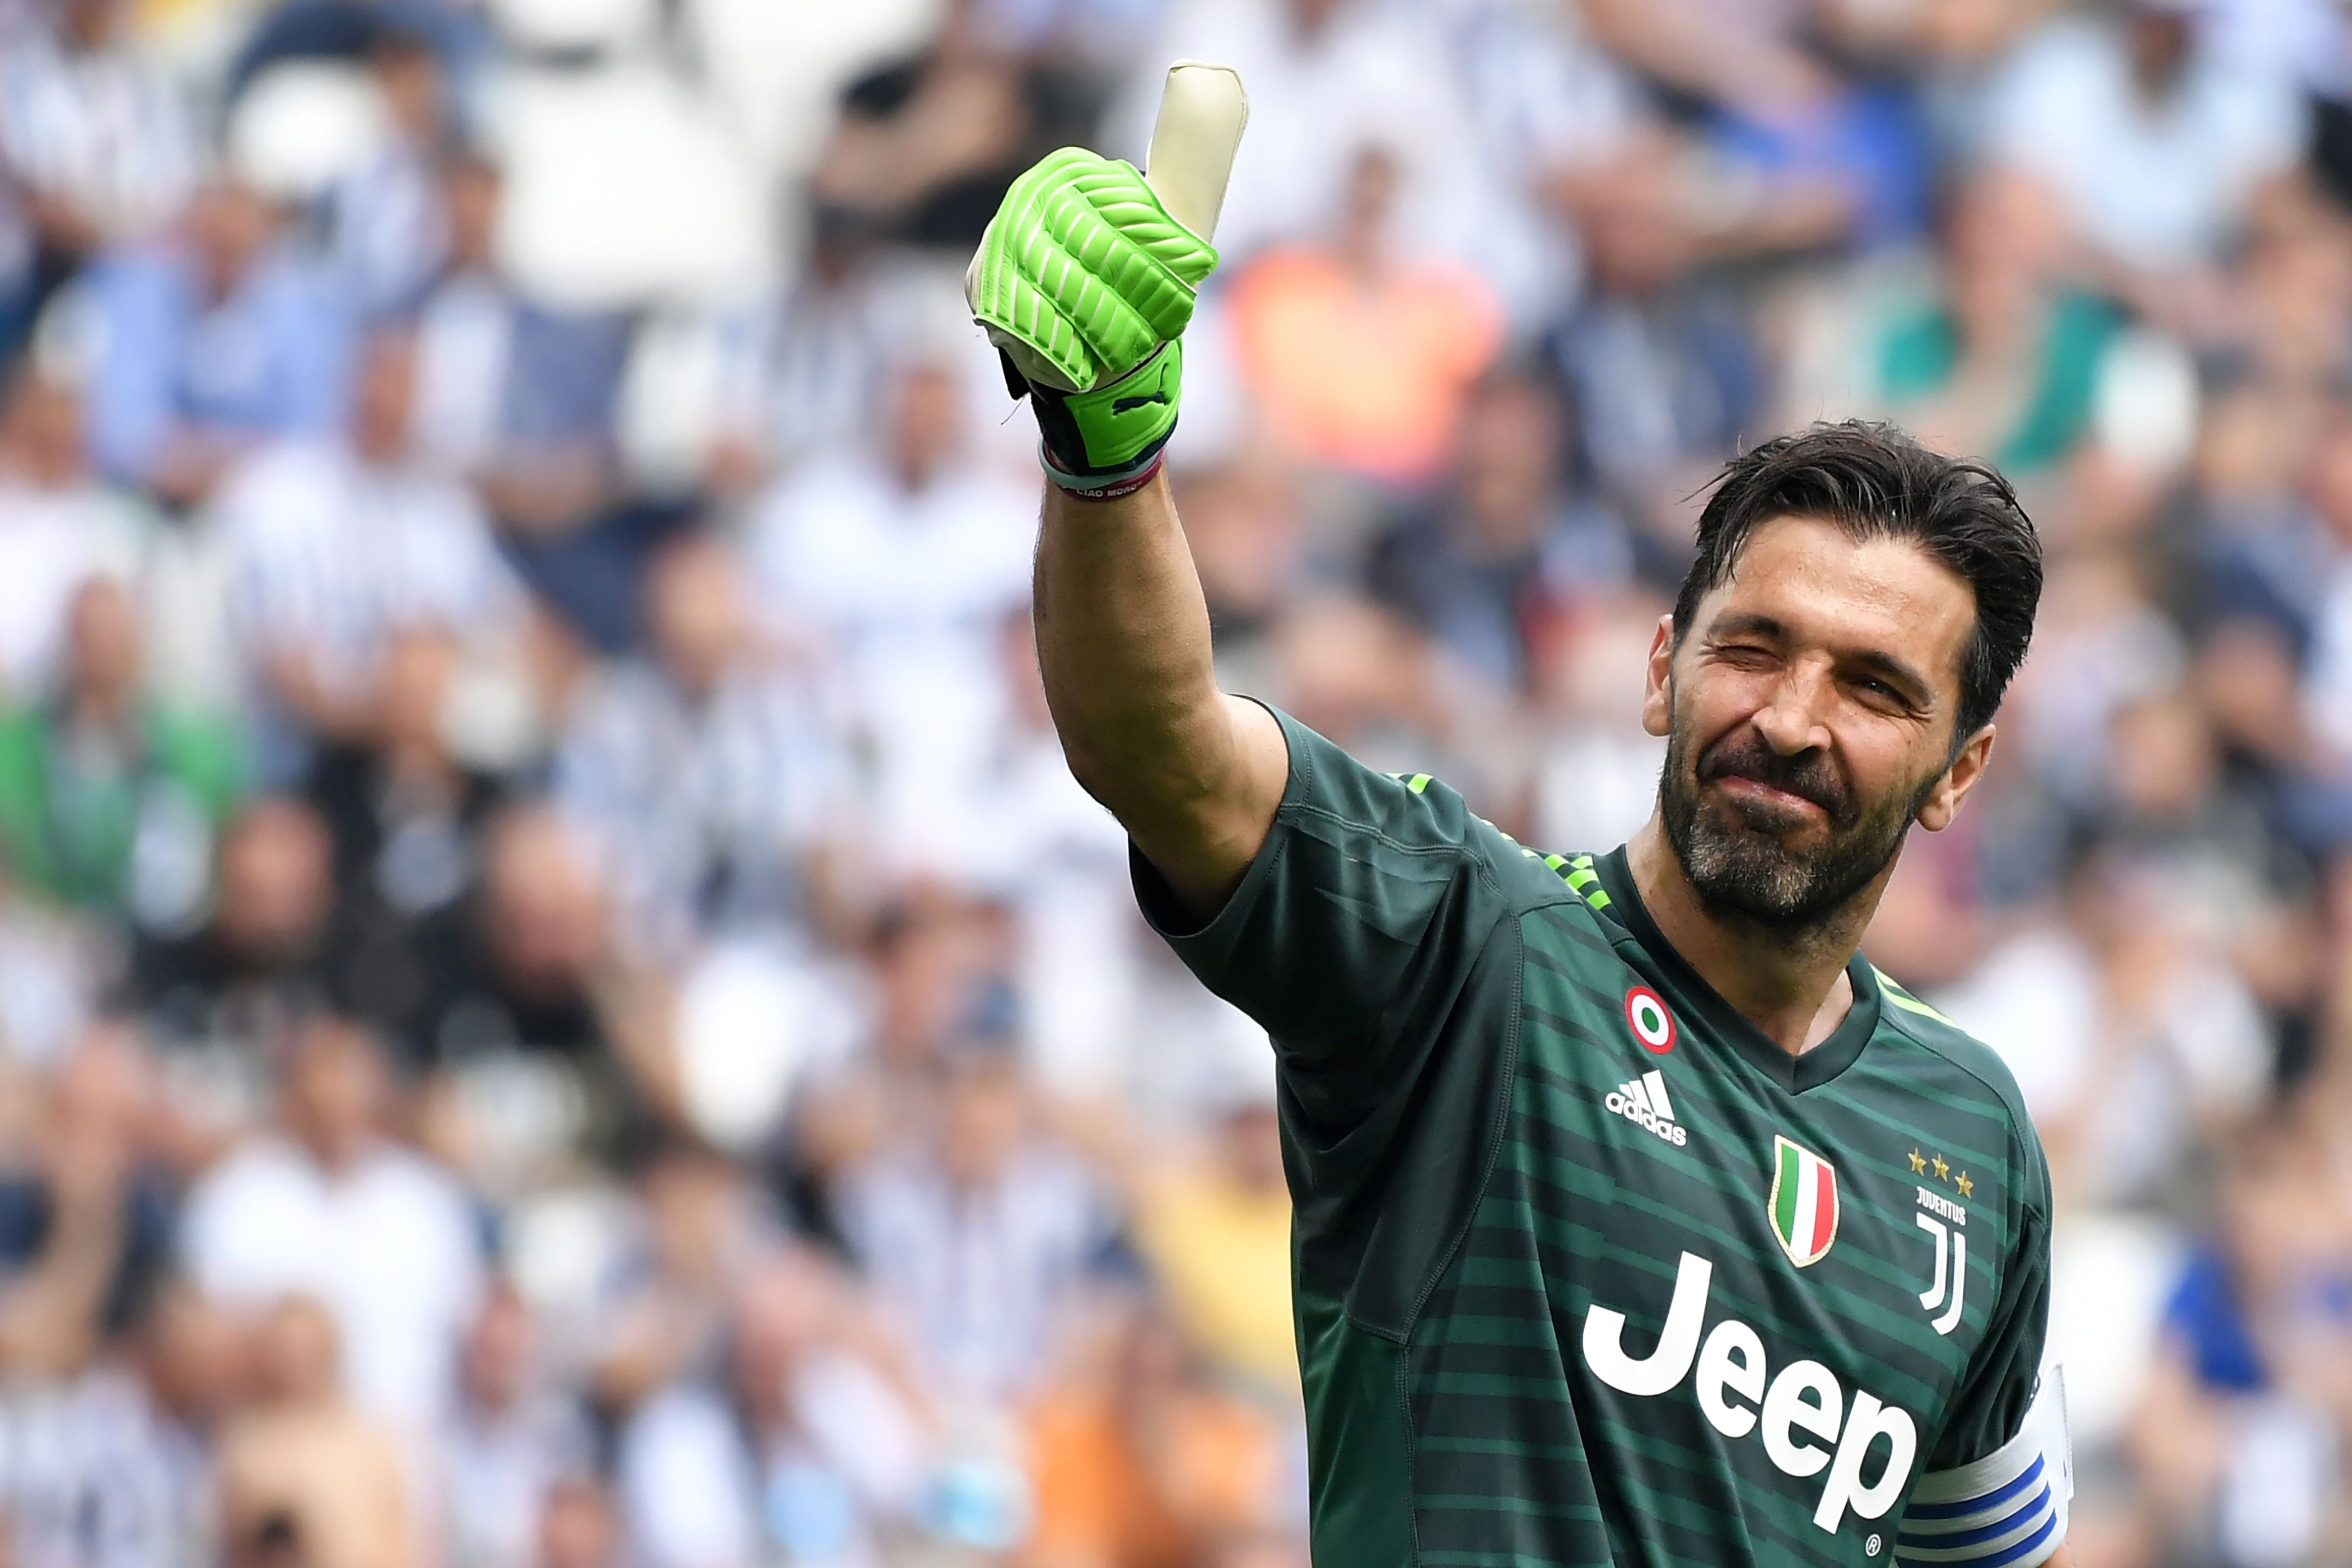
[1874, 481]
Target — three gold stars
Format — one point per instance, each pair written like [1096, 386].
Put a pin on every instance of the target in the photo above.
[1943, 1171]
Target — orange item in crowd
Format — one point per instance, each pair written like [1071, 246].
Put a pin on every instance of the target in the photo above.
[1148, 1483]
[1366, 372]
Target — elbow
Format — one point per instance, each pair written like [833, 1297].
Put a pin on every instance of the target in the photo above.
[1095, 772]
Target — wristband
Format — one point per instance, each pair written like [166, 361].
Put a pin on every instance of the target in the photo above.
[1103, 487]
[1104, 435]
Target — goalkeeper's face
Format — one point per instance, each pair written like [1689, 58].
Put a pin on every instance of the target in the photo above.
[1808, 712]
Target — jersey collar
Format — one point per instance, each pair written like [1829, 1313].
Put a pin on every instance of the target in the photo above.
[1686, 989]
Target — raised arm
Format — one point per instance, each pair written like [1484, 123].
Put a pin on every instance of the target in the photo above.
[1086, 283]
[1193, 775]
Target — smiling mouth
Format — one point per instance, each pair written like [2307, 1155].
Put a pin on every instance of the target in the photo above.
[1768, 797]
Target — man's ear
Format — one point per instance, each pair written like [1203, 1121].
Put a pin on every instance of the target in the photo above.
[1943, 801]
[1658, 680]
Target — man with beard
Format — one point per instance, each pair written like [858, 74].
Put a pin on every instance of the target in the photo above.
[1638, 1219]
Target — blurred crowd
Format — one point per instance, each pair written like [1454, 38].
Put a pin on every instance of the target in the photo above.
[558, 1005]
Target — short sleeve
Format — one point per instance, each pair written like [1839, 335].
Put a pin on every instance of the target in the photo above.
[1996, 1488]
[1365, 911]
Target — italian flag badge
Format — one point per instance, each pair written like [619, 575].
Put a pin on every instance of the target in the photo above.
[1804, 1201]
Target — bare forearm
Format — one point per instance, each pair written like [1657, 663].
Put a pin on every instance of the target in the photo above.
[49, 1320]
[1123, 641]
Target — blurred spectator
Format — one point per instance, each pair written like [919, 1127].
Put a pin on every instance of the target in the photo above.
[803, 1446]
[2240, 1430]
[2297, 286]
[1797, 153]
[111, 1465]
[261, 958]
[192, 1360]
[389, 230]
[519, 395]
[327, 1208]
[407, 817]
[830, 550]
[1659, 361]
[333, 30]
[940, 978]
[59, 526]
[703, 1229]
[704, 767]
[1360, 355]
[2133, 1042]
[977, 1233]
[218, 337]
[2154, 136]
[1365, 673]
[575, 531]
[939, 961]
[803, 374]
[84, 1231]
[517, 968]
[1216, 1231]
[510, 1445]
[2001, 354]
[799, 378]
[579, 1527]
[305, 1478]
[87, 1473]
[1507, 543]
[108, 801]
[2100, 643]
[96, 147]
[2271, 483]
[549, 1044]
[463, 326]
[926, 146]
[334, 545]
[1547, 104]
[2270, 760]
[2169, 804]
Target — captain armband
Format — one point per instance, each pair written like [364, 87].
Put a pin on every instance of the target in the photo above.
[2007, 1509]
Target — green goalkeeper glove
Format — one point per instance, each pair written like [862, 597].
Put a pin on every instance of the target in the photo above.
[1085, 284]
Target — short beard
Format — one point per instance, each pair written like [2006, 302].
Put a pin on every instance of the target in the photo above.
[1740, 871]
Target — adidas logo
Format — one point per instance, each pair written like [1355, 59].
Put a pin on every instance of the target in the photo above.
[1643, 1102]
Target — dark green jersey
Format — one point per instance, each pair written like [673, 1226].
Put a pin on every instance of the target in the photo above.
[1589, 1271]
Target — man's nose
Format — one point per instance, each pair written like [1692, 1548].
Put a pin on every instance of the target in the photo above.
[1793, 720]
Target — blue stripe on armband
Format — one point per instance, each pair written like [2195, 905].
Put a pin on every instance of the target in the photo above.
[1987, 1546]
[1961, 1509]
